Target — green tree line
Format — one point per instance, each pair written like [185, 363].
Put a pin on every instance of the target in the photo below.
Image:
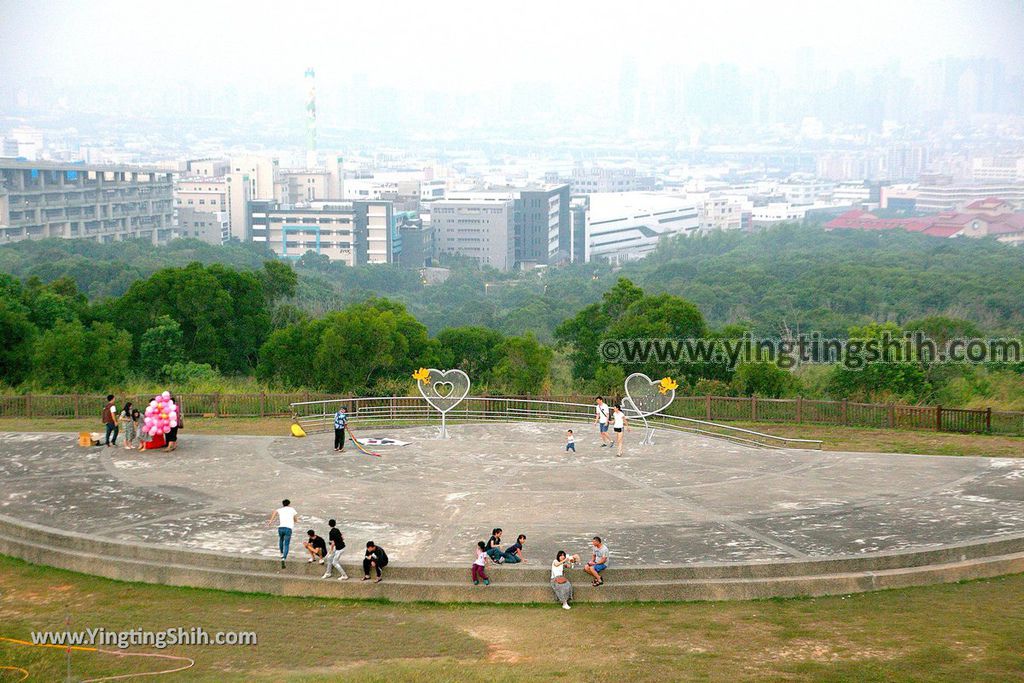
[76, 315]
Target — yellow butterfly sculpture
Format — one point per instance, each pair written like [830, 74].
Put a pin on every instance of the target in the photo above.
[422, 375]
[666, 385]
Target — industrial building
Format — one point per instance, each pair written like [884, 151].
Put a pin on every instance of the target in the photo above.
[625, 226]
[351, 232]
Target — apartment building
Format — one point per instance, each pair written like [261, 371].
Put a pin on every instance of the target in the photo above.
[41, 199]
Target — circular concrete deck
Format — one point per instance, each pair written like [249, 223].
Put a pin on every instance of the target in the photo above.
[684, 500]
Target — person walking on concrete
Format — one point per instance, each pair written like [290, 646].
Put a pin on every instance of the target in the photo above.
[619, 423]
[109, 417]
[598, 561]
[286, 517]
[376, 559]
[340, 422]
[479, 568]
[337, 544]
[601, 420]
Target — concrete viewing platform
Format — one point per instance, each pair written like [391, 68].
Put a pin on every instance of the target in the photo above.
[689, 517]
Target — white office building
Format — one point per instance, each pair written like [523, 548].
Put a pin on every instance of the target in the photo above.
[480, 226]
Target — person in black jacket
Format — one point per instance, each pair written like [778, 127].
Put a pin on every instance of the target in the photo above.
[375, 558]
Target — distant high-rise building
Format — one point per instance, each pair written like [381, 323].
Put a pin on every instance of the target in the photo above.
[541, 221]
[542, 225]
[579, 231]
[417, 240]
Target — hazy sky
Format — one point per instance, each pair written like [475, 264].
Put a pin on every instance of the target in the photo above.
[465, 45]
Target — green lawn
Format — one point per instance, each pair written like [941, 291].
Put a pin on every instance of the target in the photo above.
[961, 632]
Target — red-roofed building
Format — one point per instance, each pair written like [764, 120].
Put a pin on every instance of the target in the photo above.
[981, 218]
[864, 220]
[991, 206]
[948, 224]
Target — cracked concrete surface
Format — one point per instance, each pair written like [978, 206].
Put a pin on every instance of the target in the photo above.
[686, 499]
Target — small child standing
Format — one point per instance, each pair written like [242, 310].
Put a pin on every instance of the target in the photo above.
[479, 564]
[570, 442]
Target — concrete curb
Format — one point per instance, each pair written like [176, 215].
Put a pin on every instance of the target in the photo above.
[790, 578]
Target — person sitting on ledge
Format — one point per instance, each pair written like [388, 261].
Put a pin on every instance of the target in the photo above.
[316, 547]
[514, 553]
[598, 562]
[375, 559]
[559, 583]
[494, 546]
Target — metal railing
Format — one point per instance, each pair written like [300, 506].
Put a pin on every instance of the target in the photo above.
[715, 409]
[399, 411]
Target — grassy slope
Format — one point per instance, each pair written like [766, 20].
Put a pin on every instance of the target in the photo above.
[942, 633]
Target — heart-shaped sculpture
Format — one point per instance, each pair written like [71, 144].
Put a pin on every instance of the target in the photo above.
[645, 396]
[444, 389]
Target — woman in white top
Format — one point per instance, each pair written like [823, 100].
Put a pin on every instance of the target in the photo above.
[619, 423]
[559, 584]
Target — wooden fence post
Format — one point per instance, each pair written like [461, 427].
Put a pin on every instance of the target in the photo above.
[28, 404]
[938, 418]
[216, 405]
[753, 408]
[988, 420]
[263, 404]
[799, 409]
[842, 412]
[892, 416]
[78, 399]
[707, 407]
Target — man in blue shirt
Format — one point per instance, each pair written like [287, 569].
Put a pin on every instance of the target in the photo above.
[340, 420]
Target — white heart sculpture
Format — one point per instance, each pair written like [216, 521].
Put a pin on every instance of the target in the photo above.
[644, 395]
[457, 383]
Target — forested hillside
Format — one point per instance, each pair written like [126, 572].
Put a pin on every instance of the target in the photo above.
[78, 315]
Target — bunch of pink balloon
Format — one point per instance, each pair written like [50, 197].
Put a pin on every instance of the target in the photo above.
[161, 415]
